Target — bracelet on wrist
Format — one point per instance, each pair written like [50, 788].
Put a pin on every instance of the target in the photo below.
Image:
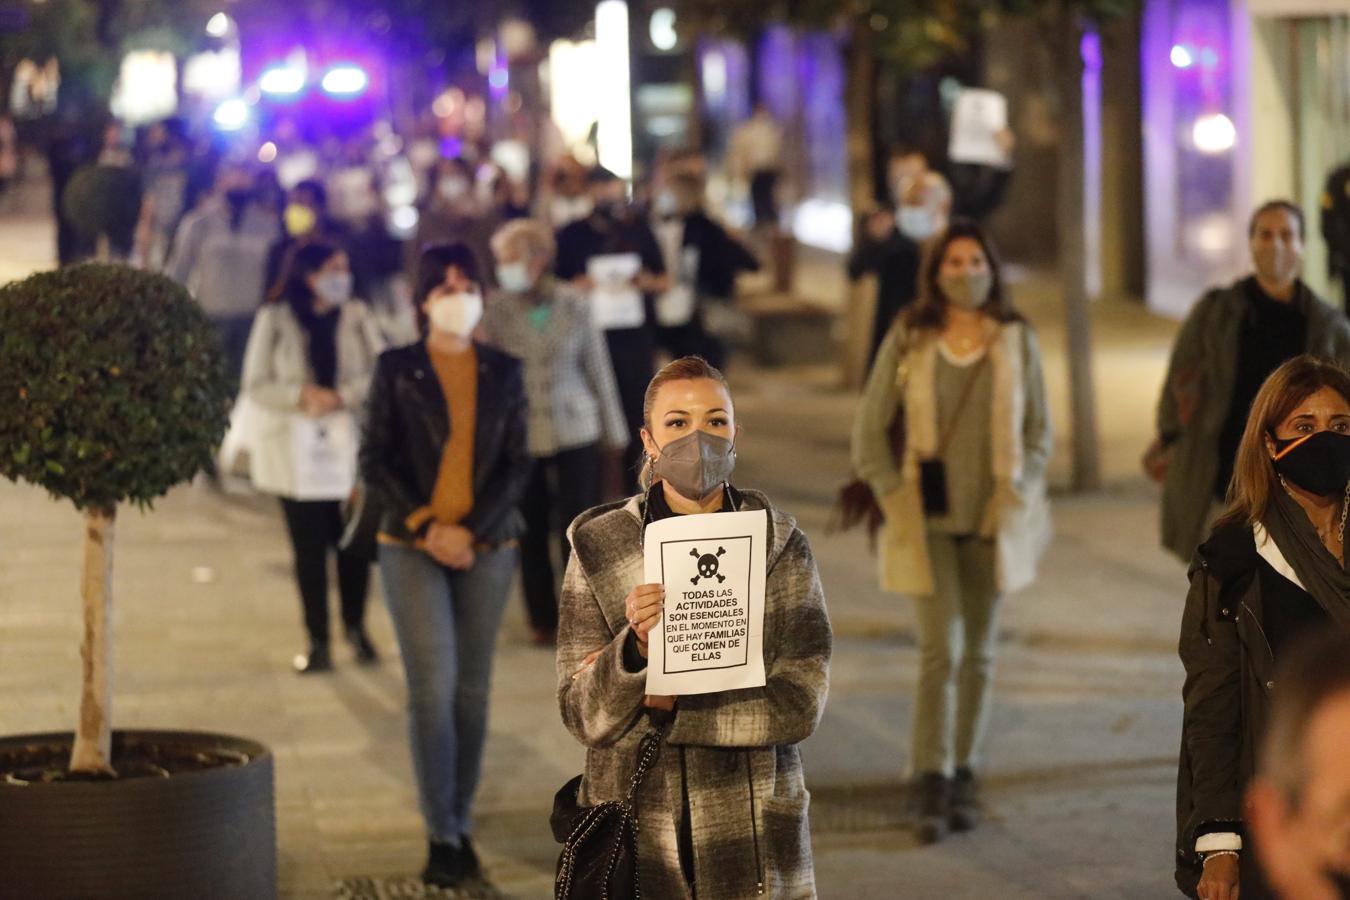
[1206, 857]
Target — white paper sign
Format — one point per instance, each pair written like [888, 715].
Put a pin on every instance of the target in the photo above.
[324, 453]
[711, 634]
[977, 119]
[615, 302]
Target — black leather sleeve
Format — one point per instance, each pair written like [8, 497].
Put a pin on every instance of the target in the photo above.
[379, 455]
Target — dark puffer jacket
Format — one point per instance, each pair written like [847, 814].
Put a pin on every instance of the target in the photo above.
[1228, 662]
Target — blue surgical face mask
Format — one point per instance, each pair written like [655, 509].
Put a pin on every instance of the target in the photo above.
[916, 222]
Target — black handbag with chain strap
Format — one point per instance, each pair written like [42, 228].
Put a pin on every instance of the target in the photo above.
[599, 858]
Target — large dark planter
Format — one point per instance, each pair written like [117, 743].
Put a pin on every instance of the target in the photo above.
[205, 835]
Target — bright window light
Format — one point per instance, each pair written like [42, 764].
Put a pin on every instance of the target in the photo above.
[574, 81]
[615, 134]
[282, 80]
[661, 29]
[1214, 134]
[218, 25]
[231, 115]
[345, 81]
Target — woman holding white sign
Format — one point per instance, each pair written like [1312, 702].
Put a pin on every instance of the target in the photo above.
[723, 810]
[307, 366]
[966, 517]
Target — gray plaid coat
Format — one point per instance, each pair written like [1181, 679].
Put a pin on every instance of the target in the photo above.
[737, 749]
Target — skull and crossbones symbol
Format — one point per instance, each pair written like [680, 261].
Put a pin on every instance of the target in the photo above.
[708, 564]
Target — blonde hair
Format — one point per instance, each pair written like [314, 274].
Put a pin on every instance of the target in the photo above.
[534, 238]
[686, 368]
[1254, 477]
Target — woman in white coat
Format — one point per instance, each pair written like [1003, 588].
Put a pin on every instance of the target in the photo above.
[311, 354]
[966, 517]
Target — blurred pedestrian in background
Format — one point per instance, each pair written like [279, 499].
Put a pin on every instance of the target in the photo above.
[755, 157]
[455, 213]
[922, 195]
[613, 256]
[565, 198]
[220, 256]
[163, 160]
[1272, 569]
[311, 355]
[703, 260]
[574, 408]
[964, 500]
[894, 258]
[1299, 802]
[305, 220]
[445, 453]
[722, 812]
[1231, 341]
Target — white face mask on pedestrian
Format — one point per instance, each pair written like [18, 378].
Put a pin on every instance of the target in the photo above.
[456, 314]
[514, 277]
[334, 287]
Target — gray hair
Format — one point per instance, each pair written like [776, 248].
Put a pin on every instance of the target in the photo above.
[533, 238]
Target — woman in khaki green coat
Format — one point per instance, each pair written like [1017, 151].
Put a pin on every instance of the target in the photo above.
[966, 516]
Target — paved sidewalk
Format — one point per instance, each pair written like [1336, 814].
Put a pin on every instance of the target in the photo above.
[1081, 756]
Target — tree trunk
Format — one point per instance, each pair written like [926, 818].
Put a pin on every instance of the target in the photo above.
[1073, 256]
[860, 86]
[93, 737]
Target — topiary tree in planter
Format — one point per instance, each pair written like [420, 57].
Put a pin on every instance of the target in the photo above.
[113, 389]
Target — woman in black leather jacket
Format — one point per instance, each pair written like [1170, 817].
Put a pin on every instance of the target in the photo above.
[444, 453]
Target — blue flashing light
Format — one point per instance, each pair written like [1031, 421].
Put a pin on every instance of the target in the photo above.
[345, 81]
[281, 81]
[1182, 57]
[231, 115]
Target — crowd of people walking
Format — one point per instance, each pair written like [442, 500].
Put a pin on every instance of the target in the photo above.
[512, 414]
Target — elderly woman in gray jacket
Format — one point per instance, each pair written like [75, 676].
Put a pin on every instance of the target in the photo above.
[574, 409]
[311, 353]
[966, 517]
[723, 812]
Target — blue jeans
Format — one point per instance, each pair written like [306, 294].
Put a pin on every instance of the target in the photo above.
[446, 622]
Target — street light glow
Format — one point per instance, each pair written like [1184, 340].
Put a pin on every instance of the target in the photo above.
[231, 115]
[345, 80]
[281, 80]
[1214, 134]
[615, 132]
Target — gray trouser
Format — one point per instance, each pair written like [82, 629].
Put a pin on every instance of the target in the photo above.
[958, 629]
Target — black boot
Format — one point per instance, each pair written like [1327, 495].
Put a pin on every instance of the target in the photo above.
[445, 865]
[360, 641]
[316, 660]
[929, 806]
[965, 801]
[473, 869]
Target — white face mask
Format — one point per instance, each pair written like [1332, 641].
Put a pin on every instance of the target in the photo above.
[334, 287]
[566, 210]
[456, 314]
[665, 204]
[514, 277]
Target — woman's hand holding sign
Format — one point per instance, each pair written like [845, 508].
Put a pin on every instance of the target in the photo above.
[643, 609]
